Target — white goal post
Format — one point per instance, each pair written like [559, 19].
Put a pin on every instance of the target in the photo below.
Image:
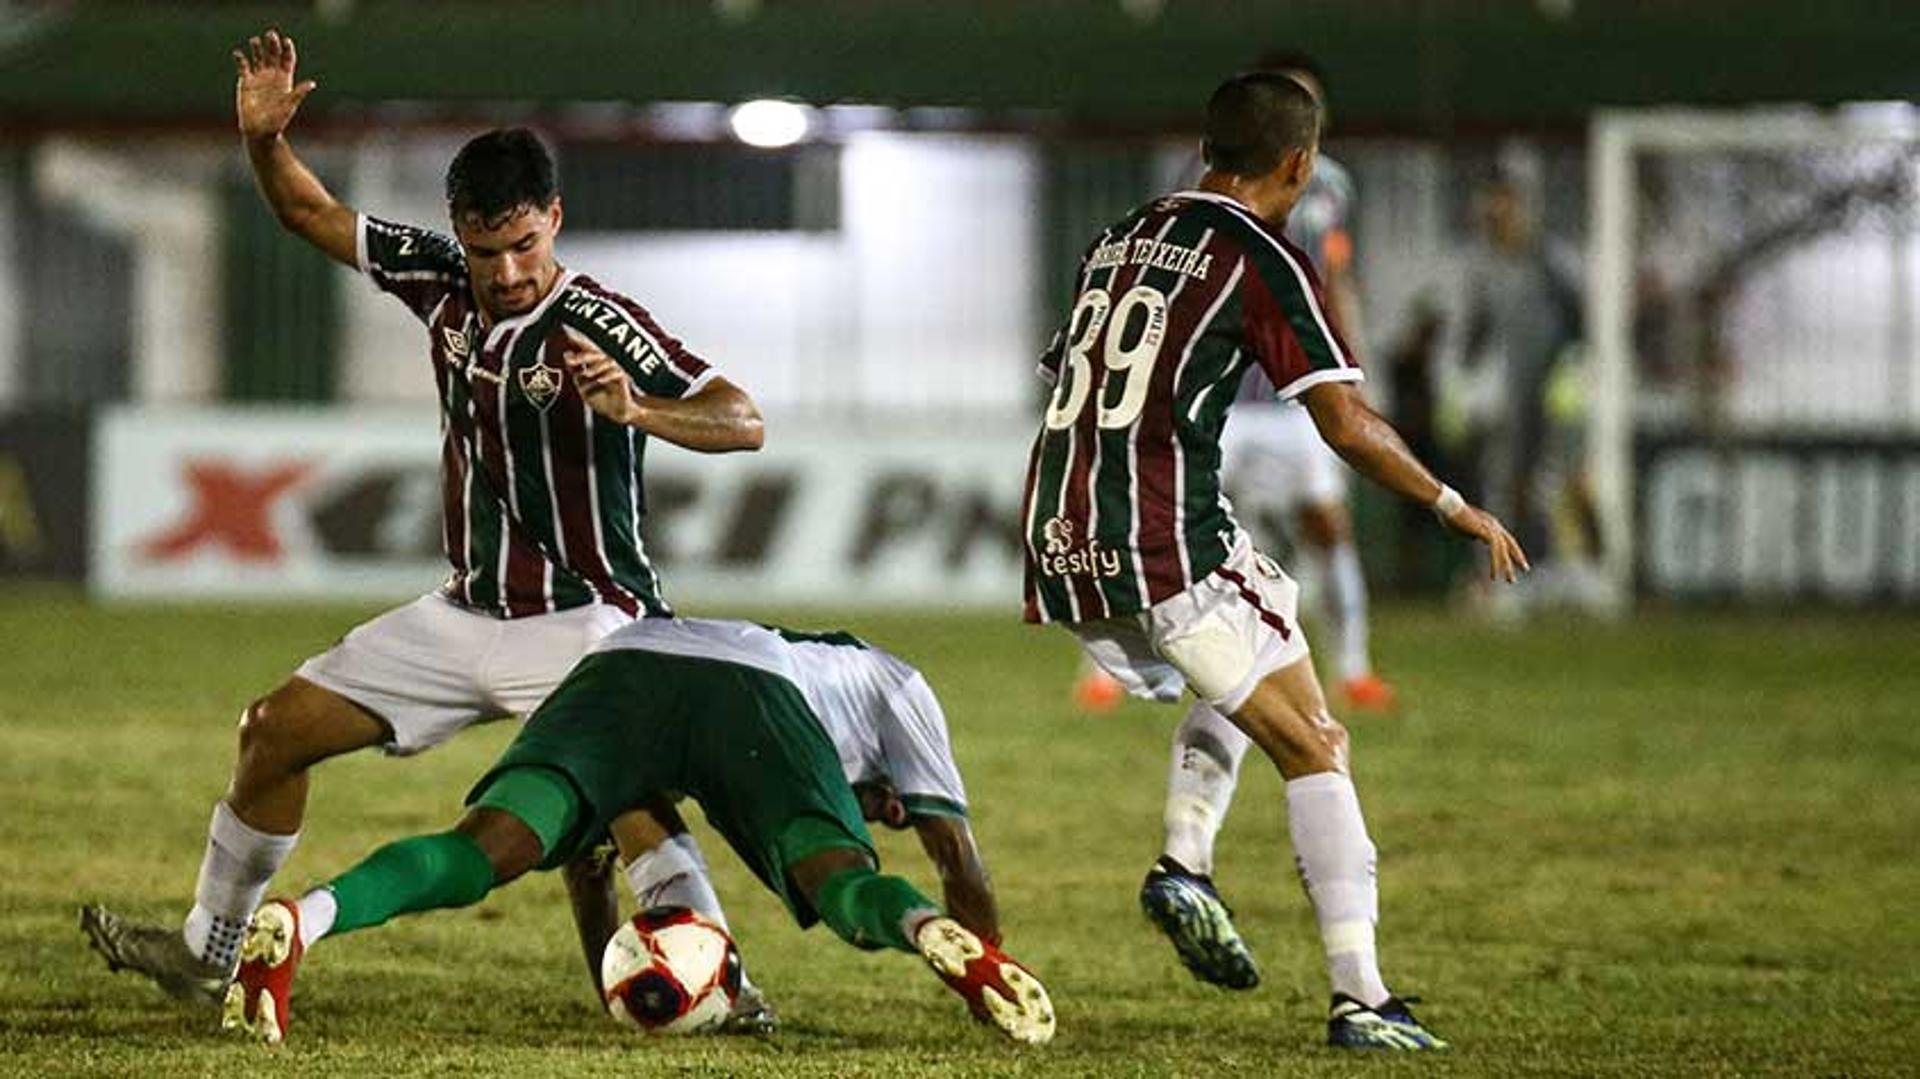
[1751, 289]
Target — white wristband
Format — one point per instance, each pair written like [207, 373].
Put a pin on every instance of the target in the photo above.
[1448, 503]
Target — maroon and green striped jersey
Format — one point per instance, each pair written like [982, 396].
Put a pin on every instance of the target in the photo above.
[542, 497]
[1177, 302]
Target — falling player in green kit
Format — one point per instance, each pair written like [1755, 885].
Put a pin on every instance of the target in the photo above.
[772, 733]
[549, 385]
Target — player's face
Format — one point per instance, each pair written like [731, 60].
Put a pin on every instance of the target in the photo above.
[510, 263]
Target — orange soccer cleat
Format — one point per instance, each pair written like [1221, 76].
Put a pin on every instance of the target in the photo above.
[1368, 693]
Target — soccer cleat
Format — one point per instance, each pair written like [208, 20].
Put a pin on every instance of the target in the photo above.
[155, 951]
[1097, 691]
[752, 1013]
[998, 990]
[1188, 909]
[1389, 1025]
[1368, 693]
[257, 999]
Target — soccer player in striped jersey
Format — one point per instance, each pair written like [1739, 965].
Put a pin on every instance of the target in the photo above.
[789, 742]
[549, 385]
[1131, 544]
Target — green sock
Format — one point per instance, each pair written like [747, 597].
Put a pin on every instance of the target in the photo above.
[868, 910]
[425, 872]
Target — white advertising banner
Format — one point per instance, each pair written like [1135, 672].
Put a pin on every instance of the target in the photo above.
[323, 503]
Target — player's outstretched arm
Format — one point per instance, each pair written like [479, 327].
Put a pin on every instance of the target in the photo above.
[265, 97]
[967, 893]
[596, 909]
[1369, 443]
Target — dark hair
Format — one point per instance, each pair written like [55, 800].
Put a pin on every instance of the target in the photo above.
[497, 174]
[1255, 119]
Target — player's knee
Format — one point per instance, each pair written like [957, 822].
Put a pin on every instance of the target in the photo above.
[279, 731]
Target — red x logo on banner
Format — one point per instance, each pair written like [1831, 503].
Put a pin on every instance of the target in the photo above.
[231, 509]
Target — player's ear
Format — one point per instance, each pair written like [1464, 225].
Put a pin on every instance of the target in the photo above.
[558, 213]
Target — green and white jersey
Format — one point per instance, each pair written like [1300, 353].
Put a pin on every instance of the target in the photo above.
[542, 497]
[1177, 302]
[878, 711]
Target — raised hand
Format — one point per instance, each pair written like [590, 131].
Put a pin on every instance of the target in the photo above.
[603, 384]
[265, 97]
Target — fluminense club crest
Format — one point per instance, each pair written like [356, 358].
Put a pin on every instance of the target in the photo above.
[540, 381]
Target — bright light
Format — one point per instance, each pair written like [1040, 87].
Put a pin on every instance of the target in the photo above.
[768, 123]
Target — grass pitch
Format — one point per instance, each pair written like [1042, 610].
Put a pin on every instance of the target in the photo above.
[1681, 845]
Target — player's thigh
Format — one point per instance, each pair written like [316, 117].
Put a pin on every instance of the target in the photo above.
[1123, 648]
[534, 654]
[615, 729]
[415, 667]
[1230, 630]
[300, 724]
[769, 779]
[1286, 715]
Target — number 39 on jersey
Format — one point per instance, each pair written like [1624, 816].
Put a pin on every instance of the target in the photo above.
[1127, 335]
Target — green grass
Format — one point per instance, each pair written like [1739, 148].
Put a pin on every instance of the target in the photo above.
[1683, 845]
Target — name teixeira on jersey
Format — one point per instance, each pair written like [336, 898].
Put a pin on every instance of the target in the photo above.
[1153, 254]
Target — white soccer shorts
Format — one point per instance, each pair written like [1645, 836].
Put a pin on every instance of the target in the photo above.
[1274, 460]
[1220, 637]
[432, 668]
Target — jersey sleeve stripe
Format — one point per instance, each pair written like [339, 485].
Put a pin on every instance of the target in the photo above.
[360, 225]
[1314, 378]
[932, 805]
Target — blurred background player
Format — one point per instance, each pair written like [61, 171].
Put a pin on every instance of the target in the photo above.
[1511, 372]
[1277, 469]
[767, 731]
[1132, 545]
[546, 381]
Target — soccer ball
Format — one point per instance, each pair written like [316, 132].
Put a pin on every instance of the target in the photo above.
[670, 971]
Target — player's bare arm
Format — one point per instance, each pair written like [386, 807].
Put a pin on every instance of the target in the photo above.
[963, 877]
[265, 98]
[718, 418]
[596, 909]
[1369, 443]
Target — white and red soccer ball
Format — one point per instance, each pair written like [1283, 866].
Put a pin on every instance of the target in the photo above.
[670, 971]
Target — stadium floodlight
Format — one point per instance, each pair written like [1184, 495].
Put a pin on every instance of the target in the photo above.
[769, 123]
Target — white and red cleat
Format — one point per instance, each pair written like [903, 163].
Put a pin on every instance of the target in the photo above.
[257, 999]
[997, 989]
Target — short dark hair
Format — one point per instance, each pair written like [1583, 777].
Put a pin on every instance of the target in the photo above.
[496, 174]
[1255, 119]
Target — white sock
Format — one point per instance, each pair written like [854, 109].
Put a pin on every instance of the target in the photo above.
[1336, 862]
[1207, 749]
[1344, 602]
[233, 879]
[318, 909]
[674, 874]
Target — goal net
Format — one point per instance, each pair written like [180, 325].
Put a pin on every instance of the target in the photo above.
[1754, 291]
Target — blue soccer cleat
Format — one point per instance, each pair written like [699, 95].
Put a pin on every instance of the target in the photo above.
[1389, 1025]
[1188, 909]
